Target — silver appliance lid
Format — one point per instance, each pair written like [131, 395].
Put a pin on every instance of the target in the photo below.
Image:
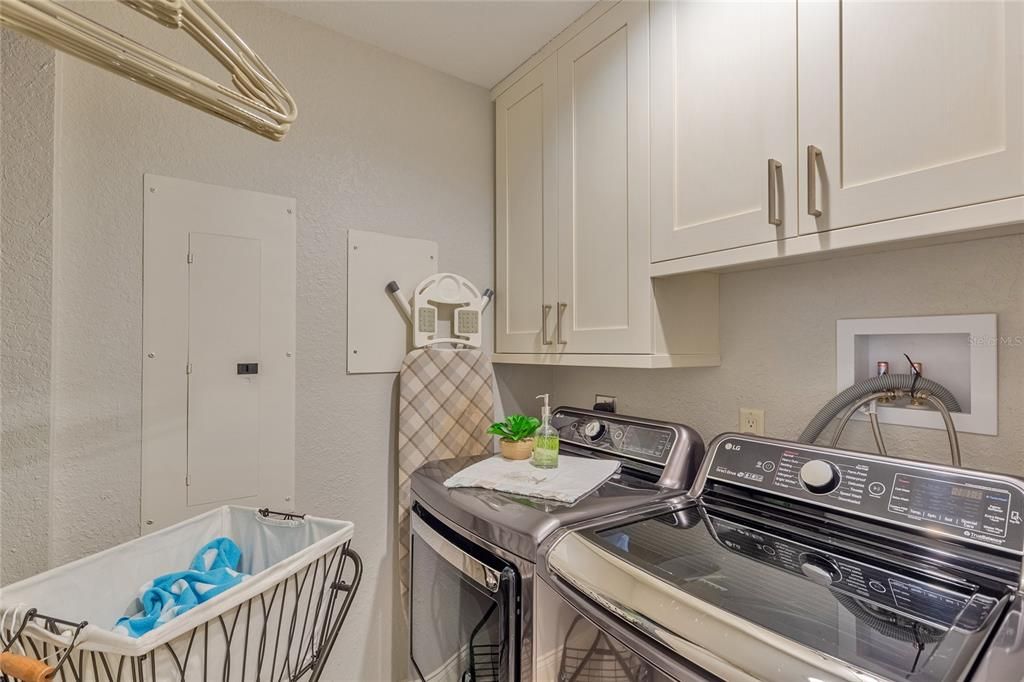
[654, 455]
[748, 600]
[516, 523]
[789, 561]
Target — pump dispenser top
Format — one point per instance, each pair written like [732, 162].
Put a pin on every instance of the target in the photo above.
[545, 412]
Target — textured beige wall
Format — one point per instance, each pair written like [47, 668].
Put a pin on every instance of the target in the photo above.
[3, 41]
[778, 346]
[26, 239]
[381, 144]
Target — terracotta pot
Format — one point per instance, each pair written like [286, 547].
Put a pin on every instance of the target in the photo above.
[517, 449]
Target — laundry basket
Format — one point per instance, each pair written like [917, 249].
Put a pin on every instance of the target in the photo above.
[277, 625]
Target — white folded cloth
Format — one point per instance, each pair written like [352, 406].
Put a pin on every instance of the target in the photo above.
[574, 478]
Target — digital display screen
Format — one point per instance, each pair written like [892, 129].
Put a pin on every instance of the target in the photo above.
[974, 509]
[645, 443]
[967, 493]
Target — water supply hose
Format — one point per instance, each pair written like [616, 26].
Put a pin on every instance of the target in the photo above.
[876, 429]
[848, 415]
[947, 418]
[879, 384]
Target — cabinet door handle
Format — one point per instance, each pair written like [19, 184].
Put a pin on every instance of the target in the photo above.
[774, 216]
[558, 321]
[545, 310]
[813, 155]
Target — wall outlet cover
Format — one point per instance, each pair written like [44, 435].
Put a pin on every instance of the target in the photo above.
[752, 421]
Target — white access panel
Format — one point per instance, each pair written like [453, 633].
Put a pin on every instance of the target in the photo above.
[958, 351]
[218, 291]
[223, 332]
[379, 336]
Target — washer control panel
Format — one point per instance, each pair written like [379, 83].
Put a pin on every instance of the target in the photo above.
[940, 605]
[615, 435]
[970, 506]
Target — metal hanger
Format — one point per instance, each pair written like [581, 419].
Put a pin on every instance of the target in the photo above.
[259, 100]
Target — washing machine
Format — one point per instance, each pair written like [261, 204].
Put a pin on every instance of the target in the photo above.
[789, 562]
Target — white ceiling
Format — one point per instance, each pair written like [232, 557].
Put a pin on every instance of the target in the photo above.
[480, 41]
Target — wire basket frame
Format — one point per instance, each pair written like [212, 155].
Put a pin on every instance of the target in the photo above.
[284, 634]
[484, 658]
[603, 660]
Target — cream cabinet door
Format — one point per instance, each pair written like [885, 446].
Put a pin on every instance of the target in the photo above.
[526, 196]
[908, 107]
[604, 185]
[723, 125]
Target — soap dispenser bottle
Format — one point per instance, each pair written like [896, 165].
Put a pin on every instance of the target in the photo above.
[545, 444]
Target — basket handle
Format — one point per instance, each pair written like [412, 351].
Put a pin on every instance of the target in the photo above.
[25, 669]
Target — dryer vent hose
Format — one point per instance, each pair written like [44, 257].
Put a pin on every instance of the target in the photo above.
[885, 382]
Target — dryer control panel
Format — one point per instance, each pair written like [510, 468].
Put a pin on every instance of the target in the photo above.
[623, 437]
[970, 506]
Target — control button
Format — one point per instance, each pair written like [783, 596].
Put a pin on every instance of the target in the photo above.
[876, 488]
[877, 586]
[593, 429]
[820, 477]
[617, 434]
[768, 467]
[820, 570]
[768, 549]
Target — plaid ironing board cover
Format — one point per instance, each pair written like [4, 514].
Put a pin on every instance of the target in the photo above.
[445, 404]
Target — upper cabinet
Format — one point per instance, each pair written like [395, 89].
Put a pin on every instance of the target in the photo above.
[573, 200]
[724, 125]
[908, 108]
[526, 240]
[657, 138]
[604, 285]
[799, 127]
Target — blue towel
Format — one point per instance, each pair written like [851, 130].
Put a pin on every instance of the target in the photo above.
[213, 571]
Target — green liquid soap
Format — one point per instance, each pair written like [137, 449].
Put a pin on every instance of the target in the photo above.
[545, 441]
[545, 452]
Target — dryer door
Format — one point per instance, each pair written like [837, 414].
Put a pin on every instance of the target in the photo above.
[463, 616]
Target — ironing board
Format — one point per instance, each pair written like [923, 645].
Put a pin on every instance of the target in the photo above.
[445, 404]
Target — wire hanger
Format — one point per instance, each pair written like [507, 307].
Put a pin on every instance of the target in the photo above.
[259, 100]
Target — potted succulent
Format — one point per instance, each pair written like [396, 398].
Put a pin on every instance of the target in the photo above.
[516, 434]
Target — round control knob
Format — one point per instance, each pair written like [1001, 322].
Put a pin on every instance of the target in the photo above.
[820, 570]
[819, 477]
[593, 429]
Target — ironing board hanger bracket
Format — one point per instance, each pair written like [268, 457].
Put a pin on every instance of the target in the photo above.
[444, 289]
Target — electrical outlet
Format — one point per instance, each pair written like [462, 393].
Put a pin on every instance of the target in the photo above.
[601, 400]
[752, 421]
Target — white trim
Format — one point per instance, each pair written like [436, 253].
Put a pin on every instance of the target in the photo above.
[983, 417]
[587, 18]
[636, 361]
[966, 218]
